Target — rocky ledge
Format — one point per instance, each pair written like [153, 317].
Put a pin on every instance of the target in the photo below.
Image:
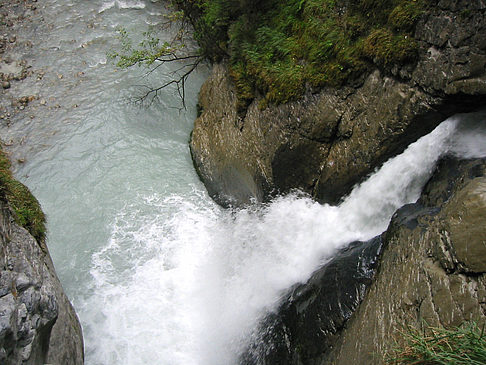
[326, 142]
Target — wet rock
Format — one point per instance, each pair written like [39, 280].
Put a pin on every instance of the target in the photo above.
[307, 325]
[37, 323]
[430, 272]
[23, 101]
[12, 70]
[5, 84]
[464, 218]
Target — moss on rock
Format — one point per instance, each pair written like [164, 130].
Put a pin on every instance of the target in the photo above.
[279, 48]
[28, 212]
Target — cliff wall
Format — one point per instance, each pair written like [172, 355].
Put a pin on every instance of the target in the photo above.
[432, 267]
[326, 142]
[427, 269]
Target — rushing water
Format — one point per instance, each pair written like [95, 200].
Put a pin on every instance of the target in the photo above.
[157, 272]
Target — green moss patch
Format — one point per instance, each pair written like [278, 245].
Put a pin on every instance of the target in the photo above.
[278, 48]
[388, 49]
[28, 212]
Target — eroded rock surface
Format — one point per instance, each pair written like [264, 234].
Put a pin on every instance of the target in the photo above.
[37, 322]
[312, 317]
[431, 272]
[326, 142]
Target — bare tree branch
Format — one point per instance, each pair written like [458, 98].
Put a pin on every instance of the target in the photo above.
[179, 81]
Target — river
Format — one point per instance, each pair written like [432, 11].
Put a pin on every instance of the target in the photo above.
[157, 272]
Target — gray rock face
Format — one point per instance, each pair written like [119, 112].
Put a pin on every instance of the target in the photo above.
[326, 142]
[37, 323]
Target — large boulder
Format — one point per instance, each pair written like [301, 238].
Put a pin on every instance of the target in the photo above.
[313, 315]
[326, 142]
[38, 325]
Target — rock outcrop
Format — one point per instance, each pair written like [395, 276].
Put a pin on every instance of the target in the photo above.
[433, 267]
[37, 322]
[326, 142]
[432, 272]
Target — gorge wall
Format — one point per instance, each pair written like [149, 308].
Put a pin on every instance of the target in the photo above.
[326, 142]
[433, 269]
[38, 324]
[431, 272]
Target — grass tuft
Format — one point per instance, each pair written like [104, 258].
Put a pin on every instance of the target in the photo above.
[277, 48]
[464, 345]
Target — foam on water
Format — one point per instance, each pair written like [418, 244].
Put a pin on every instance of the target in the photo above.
[127, 4]
[189, 285]
[106, 5]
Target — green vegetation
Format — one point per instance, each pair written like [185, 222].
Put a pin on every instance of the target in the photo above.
[28, 212]
[152, 52]
[438, 346]
[279, 48]
[148, 51]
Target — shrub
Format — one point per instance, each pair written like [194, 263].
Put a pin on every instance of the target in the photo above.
[276, 48]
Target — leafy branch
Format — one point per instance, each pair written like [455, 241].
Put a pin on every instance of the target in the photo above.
[151, 52]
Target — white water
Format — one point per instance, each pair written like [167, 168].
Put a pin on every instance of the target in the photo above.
[157, 272]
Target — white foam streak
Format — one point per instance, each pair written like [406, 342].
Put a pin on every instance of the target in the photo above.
[106, 6]
[121, 4]
[189, 285]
